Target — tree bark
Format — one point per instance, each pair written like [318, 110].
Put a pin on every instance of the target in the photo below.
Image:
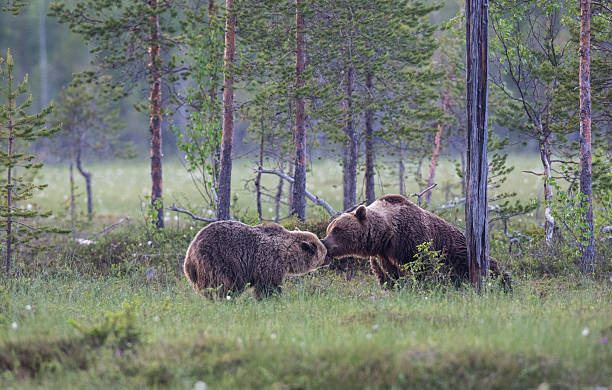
[258, 178]
[72, 201]
[87, 176]
[213, 97]
[588, 250]
[225, 172]
[369, 144]
[401, 170]
[545, 157]
[277, 199]
[476, 212]
[349, 171]
[298, 206]
[155, 110]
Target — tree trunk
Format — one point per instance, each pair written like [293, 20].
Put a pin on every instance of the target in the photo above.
[588, 250]
[225, 173]
[213, 97]
[155, 110]
[545, 153]
[401, 170]
[349, 171]
[277, 199]
[476, 212]
[72, 201]
[87, 176]
[436, 148]
[42, 42]
[298, 207]
[258, 178]
[369, 145]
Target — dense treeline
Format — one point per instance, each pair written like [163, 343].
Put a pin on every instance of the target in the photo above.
[372, 84]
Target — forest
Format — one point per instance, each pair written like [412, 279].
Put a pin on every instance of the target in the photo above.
[449, 161]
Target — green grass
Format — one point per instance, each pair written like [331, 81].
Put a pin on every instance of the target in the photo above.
[323, 332]
[120, 187]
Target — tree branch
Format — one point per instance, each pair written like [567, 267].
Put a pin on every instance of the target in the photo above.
[192, 215]
[315, 199]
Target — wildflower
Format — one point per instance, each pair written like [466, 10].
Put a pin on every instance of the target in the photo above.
[270, 209]
[156, 318]
[228, 297]
[176, 217]
[426, 298]
[375, 328]
[28, 307]
[604, 340]
[273, 335]
[14, 325]
[210, 211]
[149, 242]
[29, 206]
[119, 353]
[140, 244]
[199, 385]
[368, 336]
[239, 342]
[585, 331]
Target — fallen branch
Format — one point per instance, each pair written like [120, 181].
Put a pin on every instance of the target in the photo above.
[450, 205]
[192, 215]
[111, 227]
[420, 194]
[315, 199]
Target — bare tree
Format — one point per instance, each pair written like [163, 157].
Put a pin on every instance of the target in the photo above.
[476, 213]
[369, 144]
[155, 102]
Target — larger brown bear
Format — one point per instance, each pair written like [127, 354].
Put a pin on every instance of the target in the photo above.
[226, 256]
[390, 229]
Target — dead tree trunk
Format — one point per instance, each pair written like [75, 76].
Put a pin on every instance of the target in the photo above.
[277, 199]
[349, 166]
[588, 250]
[225, 172]
[155, 123]
[213, 97]
[369, 145]
[476, 213]
[298, 206]
[545, 157]
[72, 200]
[87, 176]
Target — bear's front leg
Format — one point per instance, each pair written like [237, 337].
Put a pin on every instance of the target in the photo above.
[266, 290]
[392, 270]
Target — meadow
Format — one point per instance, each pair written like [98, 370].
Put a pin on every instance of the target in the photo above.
[119, 314]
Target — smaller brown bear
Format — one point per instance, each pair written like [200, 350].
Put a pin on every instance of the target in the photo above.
[226, 256]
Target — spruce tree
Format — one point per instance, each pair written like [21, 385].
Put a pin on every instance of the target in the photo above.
[18, 130]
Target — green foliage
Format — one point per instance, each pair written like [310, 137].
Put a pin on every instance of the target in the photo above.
[18, 130]
[427, 271]
[119, 329]
[200, 139]
[13, 6]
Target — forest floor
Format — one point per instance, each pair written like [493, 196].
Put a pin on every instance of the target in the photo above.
[63, 330]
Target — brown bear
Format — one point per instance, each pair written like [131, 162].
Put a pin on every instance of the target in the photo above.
[226, 256]
[390, 229]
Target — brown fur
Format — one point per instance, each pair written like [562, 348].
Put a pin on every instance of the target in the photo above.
[227, 256]
[390, 229]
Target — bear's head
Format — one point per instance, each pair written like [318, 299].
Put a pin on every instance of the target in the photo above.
[307, 253]
[347, 235]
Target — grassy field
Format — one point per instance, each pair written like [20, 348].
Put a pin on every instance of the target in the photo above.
[94, 317]
[323, 332]
[120, 187]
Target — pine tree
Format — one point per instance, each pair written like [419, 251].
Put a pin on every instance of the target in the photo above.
[18, 129]
[130, 36]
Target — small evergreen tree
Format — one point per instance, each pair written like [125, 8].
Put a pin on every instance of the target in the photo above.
[18, 130]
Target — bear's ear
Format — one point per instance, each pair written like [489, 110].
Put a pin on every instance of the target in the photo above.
[360, 213]
[308, 247]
